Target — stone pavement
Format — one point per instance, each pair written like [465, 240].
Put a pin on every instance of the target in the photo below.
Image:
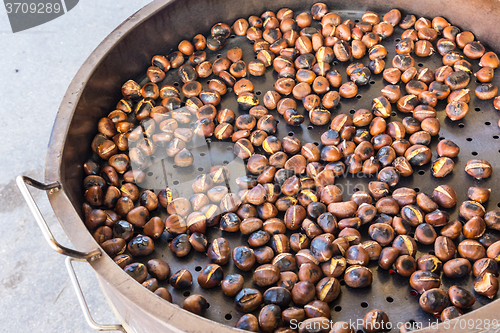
[37, 66]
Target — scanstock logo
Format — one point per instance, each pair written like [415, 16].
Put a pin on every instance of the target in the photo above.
[26, 14]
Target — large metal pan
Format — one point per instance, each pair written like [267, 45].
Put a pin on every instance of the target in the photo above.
[125, 54]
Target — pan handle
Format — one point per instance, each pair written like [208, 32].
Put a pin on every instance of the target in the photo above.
[83, 303]
[22, 182]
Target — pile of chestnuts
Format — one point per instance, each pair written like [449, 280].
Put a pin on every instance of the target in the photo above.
[302, 232]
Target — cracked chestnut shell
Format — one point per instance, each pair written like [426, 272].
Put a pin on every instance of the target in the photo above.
[479, 169]
[445, 196]
[486, 284]
[140, 246]
[422, 281]
[181, 279]
[266, 275]
[328, 289]
[248, 299]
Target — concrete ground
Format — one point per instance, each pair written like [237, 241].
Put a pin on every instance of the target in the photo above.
[37, 66]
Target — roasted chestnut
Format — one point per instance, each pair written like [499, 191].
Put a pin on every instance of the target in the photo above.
[181, 279]
[248, 299]
[434, 300]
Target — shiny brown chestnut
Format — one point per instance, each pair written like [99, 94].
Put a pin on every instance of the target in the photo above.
[439, 218]
[264, 255]
[444, 248]
[486, 284]
[457, 268]
[317, 309]
[163, 293]
[450, 313]
[373, 248]
[150, 284]
[488, 239]
[479, 169]
[445, 196]
[278, 296]
[198, 242]
[181, 279]
[243, 258]
[266, 275]
[492, 219]
[248, 299]
[418, 155]
[405, 244]
[328, 289]
[303, 292]
[175, 224]
[447, 148]
[376, 321]
[219, 251]
[322, 248]
[196, 304]
[358, 276]
[335, 266]
[460, 297]
[140, 246]
[478, 194]
[248, 323]
[158, 268]
[274, 226]
[405, 265]
[422, 281]
[357, 255]
[425, 234]
[434, 300]
[287, 280]
[137, 271]
[285, 262]
[293, 313]
[474, 228]
[270, 318]
[381, 233]
[429, 262]
[485, 265]
[210, 276]
[471, 249]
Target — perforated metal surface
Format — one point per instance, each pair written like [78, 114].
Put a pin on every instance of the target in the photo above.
[477, 135]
